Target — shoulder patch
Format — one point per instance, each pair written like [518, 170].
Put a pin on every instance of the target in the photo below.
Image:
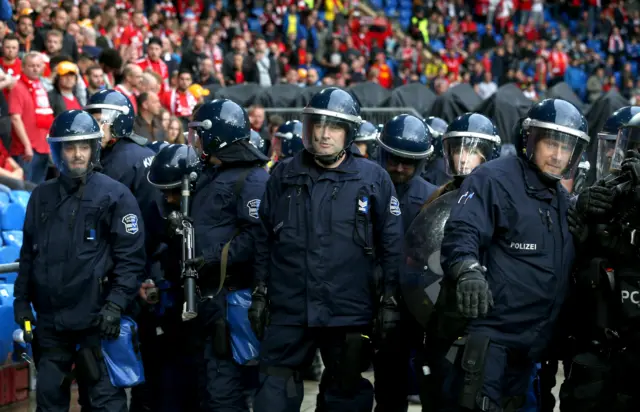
[465, 197]
[394, 206]
[130, 222]
[253, 206]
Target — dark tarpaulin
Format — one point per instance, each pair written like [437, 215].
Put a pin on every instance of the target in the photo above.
[563, 91]
[243, 94]
[370, 94]
[415, 95]
[213, 89]
[305, 94]
[505, 107]
[458, 100]
[597, 115]
[280, 95]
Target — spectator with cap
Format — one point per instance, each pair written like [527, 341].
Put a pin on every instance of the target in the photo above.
[198, 92]
[63, 97]
[148, 123]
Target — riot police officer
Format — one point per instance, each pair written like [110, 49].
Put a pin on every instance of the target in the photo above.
[421, 274]
[258, 142]
[326, 212]
[405, 144]
[607, 138]
[126, 158]
[176, 389]
[81, 282]
[366, 140]
[157, 145]
[225, 217]
[290, 135]
[507, 255]
[605, 221]
[435, 171]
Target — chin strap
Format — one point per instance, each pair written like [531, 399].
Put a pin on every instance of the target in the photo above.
[328, 160]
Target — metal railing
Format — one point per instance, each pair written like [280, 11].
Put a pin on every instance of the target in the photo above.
[375, 115]
[9, 267]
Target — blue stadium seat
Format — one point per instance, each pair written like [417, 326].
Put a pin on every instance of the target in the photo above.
[257, 11]
[20, 197]
[376, 4]
[436, 45]
[390, 11]
[618, 78]
[481, 29]
[405, 22]
[406, 5]
[254, 25]
[634, 67]
[406, 14]
[391, 3]
[12, 238]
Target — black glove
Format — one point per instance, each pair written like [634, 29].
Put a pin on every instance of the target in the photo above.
[196, 263]
[577, 226]
[472, 289]
[388, 316]
[22, 312]
[596, 200]
[631, 165]
[110, 321]
[258, 312]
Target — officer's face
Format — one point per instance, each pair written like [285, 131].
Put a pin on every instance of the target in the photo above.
[363, 148]
[552, 156]
[328, 138]
[465, 161]
[76, 156]
[105, 127]
[401, 170]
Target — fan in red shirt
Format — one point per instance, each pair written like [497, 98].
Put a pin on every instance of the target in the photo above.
[180, 102]
[558, 61]
[453, 61]
[132, 34]
[131, 78]
[385, 75]
[153, 61]
[9, 61]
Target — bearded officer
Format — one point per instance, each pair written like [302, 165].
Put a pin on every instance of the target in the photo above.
[507, 255]
[79, 285]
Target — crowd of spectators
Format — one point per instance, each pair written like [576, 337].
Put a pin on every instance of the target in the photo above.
[167, 55]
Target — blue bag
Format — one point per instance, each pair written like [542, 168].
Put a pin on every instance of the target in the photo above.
[122, 356]
[244, 344]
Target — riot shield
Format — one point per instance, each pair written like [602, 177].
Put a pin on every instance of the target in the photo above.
[421, 272]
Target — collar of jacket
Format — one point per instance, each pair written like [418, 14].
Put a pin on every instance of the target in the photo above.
[534, 186]
[303, 162]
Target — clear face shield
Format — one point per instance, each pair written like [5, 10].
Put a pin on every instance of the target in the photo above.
[556, 150]
[75, 156]
[606, 149]
[628, 139]
[463, 152]
[106, 115]
[193, 135]
[323, 135]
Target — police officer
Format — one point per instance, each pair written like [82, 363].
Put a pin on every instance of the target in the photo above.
[405, 144]
[177, 390]
[126, 158]
[225, 217]
[326, 213]
[157, 145]
[605, 221]
[81, 282]
[507, 255]
[290, 135]
[258, 142]
[470, 135]
[366, 140]
[435, 171]
[607, 138]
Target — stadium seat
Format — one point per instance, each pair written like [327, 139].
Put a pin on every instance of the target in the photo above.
[634, 68]
[406, 14]
[436, 45]
[481, 29]
[254, 25]
[20, 197]
[390, 11]
[406, 5]
[12, 216]
[257, 11]
[391, 3]
[12, 238]
[405, 22]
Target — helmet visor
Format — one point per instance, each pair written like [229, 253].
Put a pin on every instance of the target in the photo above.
[555, 152]
[323, 135]
[75, 158]
[606, 149]
[464, 153]
[628, 139]
[193, 137]
[106, 113]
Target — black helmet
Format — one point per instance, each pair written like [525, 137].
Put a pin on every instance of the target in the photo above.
[171, 164]
[330, 122]
[405, 140]
[71, 132]
[157, 145]
[628, 139]
[290, 135]
[115, 109]
[217, 124]
[257, 141]
[564, 129]
[470, 140]
[437, 127]
[608, 135]
[368, 134]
